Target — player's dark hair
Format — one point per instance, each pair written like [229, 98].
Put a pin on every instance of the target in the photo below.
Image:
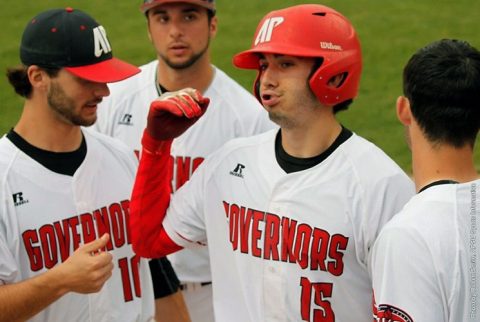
[338, 107]
[18, 78]
[442, 83]
[210, 14]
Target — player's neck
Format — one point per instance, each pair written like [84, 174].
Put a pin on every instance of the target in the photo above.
[198, 76]
[443, 162]
[42, 130]
[310, 141]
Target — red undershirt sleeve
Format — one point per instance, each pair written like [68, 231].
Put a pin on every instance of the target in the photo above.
[150, 199]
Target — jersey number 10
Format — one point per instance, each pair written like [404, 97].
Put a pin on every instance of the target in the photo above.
[129, 271]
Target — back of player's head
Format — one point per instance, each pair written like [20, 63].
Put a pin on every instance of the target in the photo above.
[311, 30]
[442, 83]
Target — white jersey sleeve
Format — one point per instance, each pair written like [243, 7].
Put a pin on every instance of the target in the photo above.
[188, 205]
[424, 262]
[401, 272]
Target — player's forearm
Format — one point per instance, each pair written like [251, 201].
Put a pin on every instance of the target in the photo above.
[21, 301]
[149, 202]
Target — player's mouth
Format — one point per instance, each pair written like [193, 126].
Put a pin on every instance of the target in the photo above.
[269, 99]
[93, 104]
[178, 49]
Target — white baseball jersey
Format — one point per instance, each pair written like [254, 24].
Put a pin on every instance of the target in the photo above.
[45, 216]
[289, 247]
[425, 263]
[233, 112]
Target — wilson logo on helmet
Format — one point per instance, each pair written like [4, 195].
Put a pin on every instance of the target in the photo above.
[101, 42]
[265, 32]
[329, 45]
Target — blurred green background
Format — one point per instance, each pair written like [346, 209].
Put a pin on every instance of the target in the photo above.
[390, 32]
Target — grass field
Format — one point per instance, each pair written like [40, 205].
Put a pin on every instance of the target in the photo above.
[390, 31]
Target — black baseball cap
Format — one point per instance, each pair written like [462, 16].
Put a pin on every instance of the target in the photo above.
[71, 39]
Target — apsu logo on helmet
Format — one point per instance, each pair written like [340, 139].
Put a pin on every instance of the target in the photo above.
[265, 32]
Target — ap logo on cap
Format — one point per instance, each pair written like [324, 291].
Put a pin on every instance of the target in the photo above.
[265, 33]
[101, 41]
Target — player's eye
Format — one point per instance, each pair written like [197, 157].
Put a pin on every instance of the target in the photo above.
[286, 64]
[189, 17]
[161, 18]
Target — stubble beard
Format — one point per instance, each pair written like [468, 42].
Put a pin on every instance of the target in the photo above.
[189, 62]
[309, 102]
[64, 106]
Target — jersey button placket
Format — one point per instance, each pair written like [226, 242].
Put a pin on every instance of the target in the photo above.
[273, 299]
[273, 282]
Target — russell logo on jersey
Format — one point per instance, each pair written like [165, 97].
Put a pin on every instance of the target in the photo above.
[237, 172]
[126, 119]
[18, 199]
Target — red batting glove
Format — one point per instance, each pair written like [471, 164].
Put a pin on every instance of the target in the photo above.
[171, 115]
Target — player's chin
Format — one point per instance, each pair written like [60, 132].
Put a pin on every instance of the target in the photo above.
[87, 120]
[90, 111]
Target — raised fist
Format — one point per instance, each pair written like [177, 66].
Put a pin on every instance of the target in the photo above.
[173, 113]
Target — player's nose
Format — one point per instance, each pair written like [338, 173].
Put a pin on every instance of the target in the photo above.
[268, 79]
[101, 90]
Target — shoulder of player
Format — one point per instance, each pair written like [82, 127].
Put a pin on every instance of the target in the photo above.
[107, 143]
[427, 215]
[369, 158]
[401, 237]
[244, 146]
[9, 155]
[254, 141]
[7, 150]
[373, 172]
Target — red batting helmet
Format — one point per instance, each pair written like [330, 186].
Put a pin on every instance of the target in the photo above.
[310, 30]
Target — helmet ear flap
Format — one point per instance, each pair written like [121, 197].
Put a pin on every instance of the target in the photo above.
[330, 95]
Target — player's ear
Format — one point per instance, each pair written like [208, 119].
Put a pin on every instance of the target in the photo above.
[337, 80]
[37, 77]
[149, 34]
[148, 27]
[213, 26]
[404, 113]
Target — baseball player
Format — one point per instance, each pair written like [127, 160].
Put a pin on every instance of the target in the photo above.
[425, 262]
[181, 32]
[65, 243]
[289, 215]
